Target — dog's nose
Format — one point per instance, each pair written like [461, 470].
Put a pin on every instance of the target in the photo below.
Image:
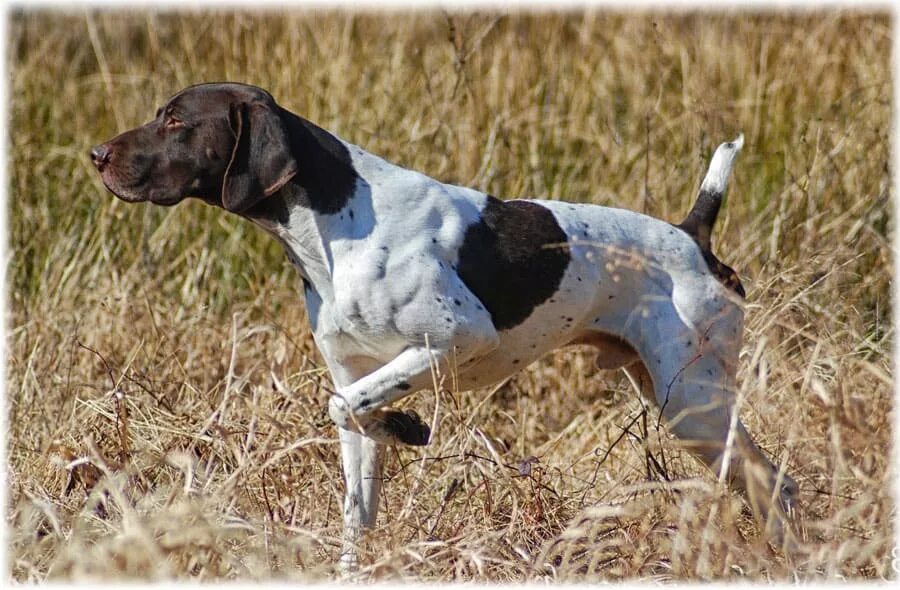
[100, 156]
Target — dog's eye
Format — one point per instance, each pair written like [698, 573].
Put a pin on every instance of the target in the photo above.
[173, 123]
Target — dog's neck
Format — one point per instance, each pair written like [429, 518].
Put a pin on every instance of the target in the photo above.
[309, 211]
[298, 228]
[325, 178]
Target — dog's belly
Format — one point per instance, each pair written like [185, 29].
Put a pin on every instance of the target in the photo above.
[557, 322]
[509, 358]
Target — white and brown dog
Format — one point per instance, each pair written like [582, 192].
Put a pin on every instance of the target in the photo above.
[402, 273]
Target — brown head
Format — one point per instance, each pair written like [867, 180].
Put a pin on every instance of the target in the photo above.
[224, 143]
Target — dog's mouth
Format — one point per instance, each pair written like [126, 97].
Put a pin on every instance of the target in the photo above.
[131, 188]
[141, 180]
[155, 196]
[120, 192]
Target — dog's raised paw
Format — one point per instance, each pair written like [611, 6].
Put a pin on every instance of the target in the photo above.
[407, 427]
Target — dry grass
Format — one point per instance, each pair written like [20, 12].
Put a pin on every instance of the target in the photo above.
[168, 349]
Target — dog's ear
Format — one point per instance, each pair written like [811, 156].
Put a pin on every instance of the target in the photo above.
[261, 162]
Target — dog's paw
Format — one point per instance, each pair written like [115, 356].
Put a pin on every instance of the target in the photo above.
[406, 427]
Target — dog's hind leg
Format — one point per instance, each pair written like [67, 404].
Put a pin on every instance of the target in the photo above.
[690, 370]
[748, 471]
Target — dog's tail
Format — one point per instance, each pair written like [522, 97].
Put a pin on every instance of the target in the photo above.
[699, 222]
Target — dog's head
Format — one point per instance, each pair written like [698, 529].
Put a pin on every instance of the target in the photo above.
[224, 143]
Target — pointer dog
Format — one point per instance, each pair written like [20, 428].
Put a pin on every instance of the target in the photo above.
[402, 272]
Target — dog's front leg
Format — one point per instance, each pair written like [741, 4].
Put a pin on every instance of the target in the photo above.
[361, 406]
[366, 424]
[358, 411]
[361, 459]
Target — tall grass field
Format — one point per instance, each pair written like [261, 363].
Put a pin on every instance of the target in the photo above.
[166, 405]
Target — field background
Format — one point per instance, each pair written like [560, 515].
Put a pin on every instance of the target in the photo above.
[165, 400]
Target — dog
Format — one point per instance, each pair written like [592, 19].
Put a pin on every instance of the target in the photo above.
[403, 274]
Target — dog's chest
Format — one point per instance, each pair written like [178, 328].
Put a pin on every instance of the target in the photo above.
[392, 289]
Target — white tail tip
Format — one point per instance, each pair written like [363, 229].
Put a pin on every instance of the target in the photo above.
[716, 180]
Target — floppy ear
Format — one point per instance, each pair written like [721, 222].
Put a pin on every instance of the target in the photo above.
[261, 162]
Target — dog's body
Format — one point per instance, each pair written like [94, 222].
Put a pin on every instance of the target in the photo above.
[404, 274]
[498, 283]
